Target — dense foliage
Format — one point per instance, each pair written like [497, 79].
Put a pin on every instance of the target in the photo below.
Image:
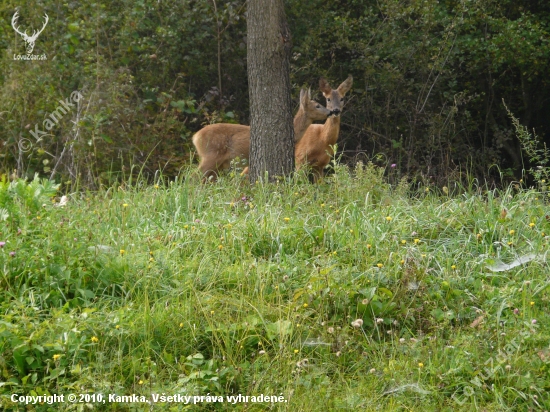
[430, 80]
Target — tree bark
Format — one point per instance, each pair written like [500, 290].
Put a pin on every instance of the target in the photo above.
[268, 64]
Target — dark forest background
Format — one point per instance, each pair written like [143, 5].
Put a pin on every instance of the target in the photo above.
[430, 78]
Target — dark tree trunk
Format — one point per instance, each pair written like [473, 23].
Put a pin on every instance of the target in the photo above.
[268, 63]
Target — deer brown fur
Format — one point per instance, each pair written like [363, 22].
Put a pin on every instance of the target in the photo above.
[218, 144]
[315, 147]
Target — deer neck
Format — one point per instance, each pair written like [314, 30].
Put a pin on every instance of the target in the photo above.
[331, 129]
[301, 123]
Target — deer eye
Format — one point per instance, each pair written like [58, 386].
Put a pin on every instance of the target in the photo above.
[342, 99]
[328, 100]
[317, 106]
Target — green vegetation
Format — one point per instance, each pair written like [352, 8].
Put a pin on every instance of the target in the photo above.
[348, 295]
[402, 287]
[429, 80]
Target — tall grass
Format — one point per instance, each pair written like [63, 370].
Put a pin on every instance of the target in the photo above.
[348, 295]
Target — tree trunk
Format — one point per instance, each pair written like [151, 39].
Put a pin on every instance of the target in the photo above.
[268, 64]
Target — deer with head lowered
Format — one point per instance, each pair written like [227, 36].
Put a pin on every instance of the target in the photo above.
[29, 40]
[218, 144]
[315, 147]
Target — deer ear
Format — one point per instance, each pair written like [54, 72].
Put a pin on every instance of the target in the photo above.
[346, 85]
[324, 86]
[303, 97]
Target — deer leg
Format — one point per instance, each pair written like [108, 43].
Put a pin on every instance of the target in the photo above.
[208, 169]
[318, 174]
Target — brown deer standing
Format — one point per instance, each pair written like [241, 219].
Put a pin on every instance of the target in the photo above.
[218, 144]
[315, 147]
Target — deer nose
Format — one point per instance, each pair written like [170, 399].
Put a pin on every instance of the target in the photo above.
[336, 112]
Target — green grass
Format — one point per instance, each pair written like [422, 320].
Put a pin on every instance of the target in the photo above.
[226, 289]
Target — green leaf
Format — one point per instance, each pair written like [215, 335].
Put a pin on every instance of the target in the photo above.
[368, 292]
[19, 358]
[73, 27]
[55, 373]
[106, 138]
[279, 329]
[37, 347]
[386, 292]
[438, 314]
[196, 359]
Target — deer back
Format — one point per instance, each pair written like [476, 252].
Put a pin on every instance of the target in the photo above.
[223, 140]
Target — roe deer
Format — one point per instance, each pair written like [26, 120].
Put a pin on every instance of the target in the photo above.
[218, 144]
[315, 147]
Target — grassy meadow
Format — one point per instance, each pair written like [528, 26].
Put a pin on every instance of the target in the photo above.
[353, 294]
